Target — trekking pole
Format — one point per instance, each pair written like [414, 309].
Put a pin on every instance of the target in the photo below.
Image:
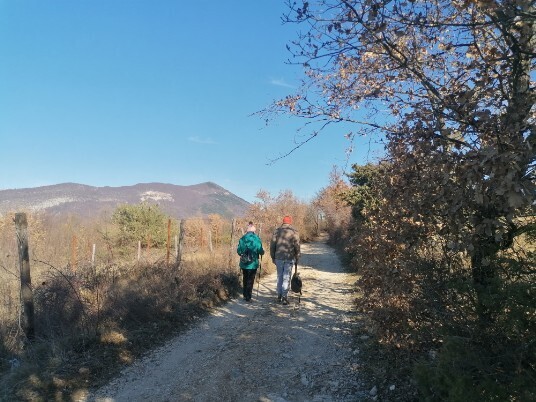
[259, 280]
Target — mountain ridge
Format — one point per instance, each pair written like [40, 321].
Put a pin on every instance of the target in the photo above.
[87, 201]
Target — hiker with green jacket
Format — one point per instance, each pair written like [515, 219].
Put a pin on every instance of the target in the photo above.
[285, 252]
[249, 248]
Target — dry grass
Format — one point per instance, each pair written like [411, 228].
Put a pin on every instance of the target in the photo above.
[92, 322]
[93, 318]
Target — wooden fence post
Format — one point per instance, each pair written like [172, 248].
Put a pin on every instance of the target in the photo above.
[93, 255]
[26, 294]
[74, 245]
[148, 247]
[210, 247]
[233, 228]
[168, 244]
[181, 244]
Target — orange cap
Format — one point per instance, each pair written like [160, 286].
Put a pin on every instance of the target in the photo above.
[287, 219]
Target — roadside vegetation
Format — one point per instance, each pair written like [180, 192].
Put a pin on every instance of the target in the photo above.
[443, 223]
[441, 228]
[109, 290]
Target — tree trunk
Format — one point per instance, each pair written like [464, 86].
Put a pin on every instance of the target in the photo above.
[26, 294]
[485, 278]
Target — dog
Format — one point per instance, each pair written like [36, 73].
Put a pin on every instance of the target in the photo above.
[296, 284]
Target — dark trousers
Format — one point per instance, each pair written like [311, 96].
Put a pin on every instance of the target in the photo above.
[248, 279]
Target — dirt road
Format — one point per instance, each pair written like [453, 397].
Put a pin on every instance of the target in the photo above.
[260, 351]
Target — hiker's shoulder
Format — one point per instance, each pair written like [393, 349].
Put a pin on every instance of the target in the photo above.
[287, 231]
[292, 228]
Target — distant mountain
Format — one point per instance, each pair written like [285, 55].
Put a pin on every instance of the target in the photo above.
[87, 201]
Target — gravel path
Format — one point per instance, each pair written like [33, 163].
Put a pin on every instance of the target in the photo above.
[260, 351]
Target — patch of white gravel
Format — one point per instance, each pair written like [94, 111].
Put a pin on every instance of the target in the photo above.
[260, 351]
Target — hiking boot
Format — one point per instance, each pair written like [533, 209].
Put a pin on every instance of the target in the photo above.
[285, 301]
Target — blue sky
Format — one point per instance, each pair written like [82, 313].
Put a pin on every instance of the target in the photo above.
[119, 92]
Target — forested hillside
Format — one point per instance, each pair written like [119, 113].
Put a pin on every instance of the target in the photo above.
[89, 202]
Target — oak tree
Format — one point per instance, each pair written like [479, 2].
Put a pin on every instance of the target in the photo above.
[449, 86]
